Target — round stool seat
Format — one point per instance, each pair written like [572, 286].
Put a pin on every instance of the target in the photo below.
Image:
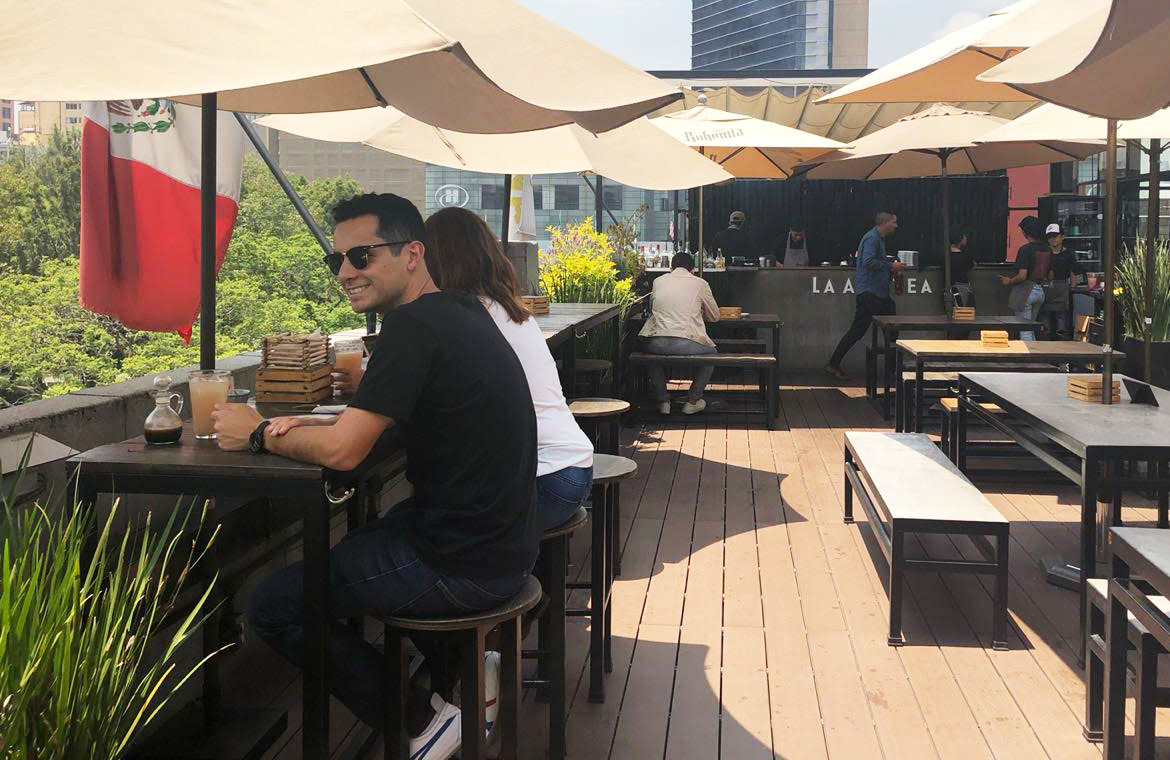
[592, 408]
[568, 526]
[524, 600]
[584, 366]
[610, 469]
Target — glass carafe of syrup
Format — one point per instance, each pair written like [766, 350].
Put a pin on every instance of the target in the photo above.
[163, 425]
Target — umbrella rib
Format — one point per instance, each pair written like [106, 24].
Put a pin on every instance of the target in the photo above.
[773, 163]
[881, 163]
[373, 87]
[441, 136]
[1061, 152]
[732, 155]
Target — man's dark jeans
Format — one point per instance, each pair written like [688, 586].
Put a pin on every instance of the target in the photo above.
[869, 305]
[372, 571]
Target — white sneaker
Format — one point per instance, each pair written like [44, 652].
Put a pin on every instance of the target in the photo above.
[694, 407]
[442, 738]
[664, 407]
[491, 690]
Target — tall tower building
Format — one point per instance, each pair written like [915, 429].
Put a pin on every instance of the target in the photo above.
[732, 35]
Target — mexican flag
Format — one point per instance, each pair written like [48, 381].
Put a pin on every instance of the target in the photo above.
[140, 208]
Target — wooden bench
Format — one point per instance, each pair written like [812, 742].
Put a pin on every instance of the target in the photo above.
[934, 385]
[763, 364]
[1143, 680]
[949, 428]
[741, 345]
[906, 486]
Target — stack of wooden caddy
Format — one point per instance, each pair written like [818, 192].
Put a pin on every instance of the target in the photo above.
[538, 305]
[1089, 387]
[964, 314]
[294, 369]
[993, 338]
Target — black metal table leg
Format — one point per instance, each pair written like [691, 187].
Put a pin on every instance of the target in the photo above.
[315, 689]
[1117, 644]
[916, 410]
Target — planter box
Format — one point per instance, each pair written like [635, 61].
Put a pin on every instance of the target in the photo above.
[1160, 358]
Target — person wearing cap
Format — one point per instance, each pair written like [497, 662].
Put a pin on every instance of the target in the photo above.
[1063, 267]
[795, 246]
[1033, 261]
[732, 241]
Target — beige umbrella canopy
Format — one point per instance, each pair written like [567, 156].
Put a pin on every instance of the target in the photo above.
[947, 69]
[636, 154]
[1052, 122]
[452, 63]
[940, 141]
[1113, 63]
[745, 147]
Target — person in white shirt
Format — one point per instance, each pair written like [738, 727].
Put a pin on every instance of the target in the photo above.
[464, 254]
[680, 302]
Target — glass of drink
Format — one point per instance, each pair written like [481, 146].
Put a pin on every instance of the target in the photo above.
[208, 387]
[347, 357]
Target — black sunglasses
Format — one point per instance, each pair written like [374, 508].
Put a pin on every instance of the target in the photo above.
[359, 255]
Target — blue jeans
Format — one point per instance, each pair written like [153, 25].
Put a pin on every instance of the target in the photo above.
[560, 493]
[372, 571]
[1031, 309]
[677, 347]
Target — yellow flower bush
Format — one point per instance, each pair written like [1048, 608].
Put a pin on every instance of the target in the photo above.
[579, 267]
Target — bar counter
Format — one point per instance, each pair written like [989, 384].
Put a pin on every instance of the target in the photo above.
[816, 303]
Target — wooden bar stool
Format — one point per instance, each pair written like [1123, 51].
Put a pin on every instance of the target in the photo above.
[603, 415]
[608, 472]
[592, 370]
[551, 569]
[469, 632]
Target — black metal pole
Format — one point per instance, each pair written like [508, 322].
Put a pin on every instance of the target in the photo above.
[207, 234]
[1153, 219]
[1109, 256]
[946, 229]
[599, 205]
[507, 212]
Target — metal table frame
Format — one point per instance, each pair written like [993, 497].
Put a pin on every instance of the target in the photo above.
[561, 334]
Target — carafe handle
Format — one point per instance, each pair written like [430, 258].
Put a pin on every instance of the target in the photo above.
[171, 403]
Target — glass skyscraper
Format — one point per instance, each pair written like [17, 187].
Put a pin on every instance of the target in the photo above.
[732, 35]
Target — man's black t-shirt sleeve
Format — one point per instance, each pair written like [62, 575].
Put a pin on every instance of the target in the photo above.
[1025, 257]
[398, 370]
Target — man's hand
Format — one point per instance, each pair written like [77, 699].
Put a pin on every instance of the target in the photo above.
[278, 426]
[234, 424]
[1005, 280]
[897, 266]
[347, 382]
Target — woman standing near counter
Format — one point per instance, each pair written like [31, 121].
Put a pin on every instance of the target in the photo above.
[961, 266]
[1033, 261]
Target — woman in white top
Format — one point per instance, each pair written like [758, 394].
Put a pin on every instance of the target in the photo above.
[463, 254]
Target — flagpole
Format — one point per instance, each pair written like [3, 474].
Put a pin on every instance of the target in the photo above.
[507, 212]
[207, 234]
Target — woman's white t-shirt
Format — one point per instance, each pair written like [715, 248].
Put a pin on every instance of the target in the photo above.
[560, 442]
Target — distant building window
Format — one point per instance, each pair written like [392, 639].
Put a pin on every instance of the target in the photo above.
[538, 197]
[566, 197]
[74, 120]
[491, 197]
[612, 197]
[72, 106]
[6, 113]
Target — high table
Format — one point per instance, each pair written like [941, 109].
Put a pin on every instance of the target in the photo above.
[566, 323]
[1146, 552]
[1039, 414]
[891, 326]
[942, 355]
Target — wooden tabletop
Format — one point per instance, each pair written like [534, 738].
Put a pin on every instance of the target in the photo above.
[1019, 350]
[943, 321]
[1147, 551]
[563, 318]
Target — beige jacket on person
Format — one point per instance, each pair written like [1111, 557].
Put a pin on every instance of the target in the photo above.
[679, 304]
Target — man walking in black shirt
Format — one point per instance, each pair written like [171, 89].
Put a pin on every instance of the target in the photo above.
[443, 374]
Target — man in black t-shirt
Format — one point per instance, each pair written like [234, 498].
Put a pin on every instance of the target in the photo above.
[732, 241]
[443, 375]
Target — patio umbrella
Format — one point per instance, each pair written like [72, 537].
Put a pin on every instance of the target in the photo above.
[635, 154]
[940, 141]
[446, 62]
[747, 148]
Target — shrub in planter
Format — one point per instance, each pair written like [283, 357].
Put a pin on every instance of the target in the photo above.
[1131, 302]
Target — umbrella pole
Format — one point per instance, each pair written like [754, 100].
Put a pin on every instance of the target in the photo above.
[1110, 256]
[507, 212]
[599, 206]
[1153, 218]
[699, 253]
[946, 231]
[207, 233]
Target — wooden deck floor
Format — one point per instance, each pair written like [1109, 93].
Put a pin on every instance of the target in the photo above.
[750, 621]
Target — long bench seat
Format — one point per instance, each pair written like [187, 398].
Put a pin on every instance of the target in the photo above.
[763, 364]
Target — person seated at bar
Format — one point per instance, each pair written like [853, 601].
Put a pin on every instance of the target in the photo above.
[679, 304]
[874, 269]
[795, 246]
[961, 265]
[1063, 267]
[468, 537]
[465, 255]
[732, 241]
[1033, 260]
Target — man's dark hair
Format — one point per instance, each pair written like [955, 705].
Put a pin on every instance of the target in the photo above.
[796, 227]
[398, 219]
[957, 236]
[1032, 227]
[882, 217]
[682, 259]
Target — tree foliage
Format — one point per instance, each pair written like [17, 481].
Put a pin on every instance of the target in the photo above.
[272, 280]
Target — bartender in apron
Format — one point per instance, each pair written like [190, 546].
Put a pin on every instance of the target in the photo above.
[1063, 268]
[795, 247]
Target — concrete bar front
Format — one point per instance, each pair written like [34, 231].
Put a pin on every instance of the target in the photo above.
[816, 304]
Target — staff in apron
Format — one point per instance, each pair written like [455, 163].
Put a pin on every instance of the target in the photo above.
[796, 247]
[1062, 269]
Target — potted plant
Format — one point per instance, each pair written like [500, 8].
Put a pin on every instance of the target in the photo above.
[1131, 300]
[88, 657]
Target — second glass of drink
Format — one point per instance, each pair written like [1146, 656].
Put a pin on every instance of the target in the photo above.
[208, 387]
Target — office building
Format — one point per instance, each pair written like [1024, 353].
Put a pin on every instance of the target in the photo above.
[733, 35]
[39, 118]
[8, 117]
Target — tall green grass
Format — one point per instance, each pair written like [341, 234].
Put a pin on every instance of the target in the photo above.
[85, 664]
[1131, 281]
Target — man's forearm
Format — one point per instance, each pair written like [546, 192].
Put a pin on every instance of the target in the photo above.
[313, 444]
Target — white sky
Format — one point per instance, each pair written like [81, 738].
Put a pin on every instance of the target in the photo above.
[656, 34]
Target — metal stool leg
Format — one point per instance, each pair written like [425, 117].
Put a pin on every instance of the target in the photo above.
[611, 552]
[598, 567]
[555, 623]
[396, 735]
[472, 692]
[509, 713]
